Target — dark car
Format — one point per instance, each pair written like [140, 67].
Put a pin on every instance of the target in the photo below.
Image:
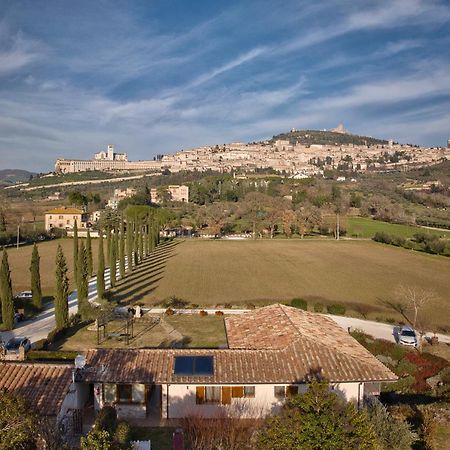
[13, 345]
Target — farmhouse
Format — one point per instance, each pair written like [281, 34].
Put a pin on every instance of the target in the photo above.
[273, 353]
[65, 218]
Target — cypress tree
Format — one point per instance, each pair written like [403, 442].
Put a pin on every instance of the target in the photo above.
[135, 244]
[122, 249]
[36, 278]
[130, 245]
[83, 281]
[141, 241]
[112, 261]
[108, 242]
[6, 295]
[62, 291]
[100, 267]
[90, 261]
[75, 251]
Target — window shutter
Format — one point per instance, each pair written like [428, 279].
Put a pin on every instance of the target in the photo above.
[238, 391]
[226, 395]
[200, 395]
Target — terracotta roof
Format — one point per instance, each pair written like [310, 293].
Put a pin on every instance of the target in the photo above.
[43, 385]
[64, 210]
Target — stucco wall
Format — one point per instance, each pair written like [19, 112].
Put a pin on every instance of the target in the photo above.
[182, 401]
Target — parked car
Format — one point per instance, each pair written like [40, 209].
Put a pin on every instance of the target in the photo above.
[13, 345]
[407, 336]
[25, 295]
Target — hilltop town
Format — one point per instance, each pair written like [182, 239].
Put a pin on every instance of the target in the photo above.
[302, 153]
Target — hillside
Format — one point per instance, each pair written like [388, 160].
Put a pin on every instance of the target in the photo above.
[327, 138]
[12, 176]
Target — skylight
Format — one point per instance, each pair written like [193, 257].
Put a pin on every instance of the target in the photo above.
[194, 365]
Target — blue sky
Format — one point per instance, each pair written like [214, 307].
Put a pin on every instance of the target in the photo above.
[158, 76]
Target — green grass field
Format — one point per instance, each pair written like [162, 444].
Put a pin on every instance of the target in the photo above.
[363, 275]
[366, 228]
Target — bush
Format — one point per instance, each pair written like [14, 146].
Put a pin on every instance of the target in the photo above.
[228, 306]
[299, 303]
[41, 344]
[203, 313]
[123, 432]
[318, 307]
[107, 419]
[175, 302]
[169, 312]
[96, 439]
[337, 310]
[219, 313]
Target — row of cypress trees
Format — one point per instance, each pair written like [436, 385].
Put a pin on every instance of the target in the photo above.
[6, 292]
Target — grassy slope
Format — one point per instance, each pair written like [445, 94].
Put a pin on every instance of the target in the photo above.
[358, 272]
[366, 228]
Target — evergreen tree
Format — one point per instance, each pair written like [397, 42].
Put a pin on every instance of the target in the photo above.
[90, 261]
[36, 278]
[62, 291]
[130, 245]
[2, 222]
[122, 249]
[6, 295]
[108, 242]
[135, 244]
[112, 260]
[83, 281]
[141, 241]
[100, 267]
[75, 251]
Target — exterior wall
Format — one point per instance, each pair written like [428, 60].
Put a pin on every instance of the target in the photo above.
[64, 221]
[76, 398]
[179, 400]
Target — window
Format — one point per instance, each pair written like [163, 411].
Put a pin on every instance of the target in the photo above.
[138, 393]
[249, 391]
[109, 393]
[68, 222]
[212, 394]
[61, 217]
[124, 393]
[291, 391]
[279, 392]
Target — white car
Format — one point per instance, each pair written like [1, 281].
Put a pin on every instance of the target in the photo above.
[407, 336]
[25, 295]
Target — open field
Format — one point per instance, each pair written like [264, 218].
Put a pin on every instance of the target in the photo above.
[366, 228]
[171, 331]
[19, 263]
[363, 275]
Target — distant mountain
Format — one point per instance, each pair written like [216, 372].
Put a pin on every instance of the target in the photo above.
[337, 136]
[13, 176]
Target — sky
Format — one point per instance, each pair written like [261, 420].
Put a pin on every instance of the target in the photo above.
[155, 77]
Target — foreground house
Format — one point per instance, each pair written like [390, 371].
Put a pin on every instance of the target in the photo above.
[65, 218]
[47, 388]
[273, 353]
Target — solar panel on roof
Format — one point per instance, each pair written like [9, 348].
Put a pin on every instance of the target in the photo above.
[194, 365]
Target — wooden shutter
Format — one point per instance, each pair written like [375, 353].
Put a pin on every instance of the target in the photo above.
[226, 395]
[200, 395]
[238, 391]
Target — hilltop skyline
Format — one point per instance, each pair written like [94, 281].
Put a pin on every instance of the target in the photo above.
[156, 78]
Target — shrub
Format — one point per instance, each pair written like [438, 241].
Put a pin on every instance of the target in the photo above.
[318, 307]
[169, 312]
[194, 305]
[219, 313]
[175, 302]
[96, 439]
[203, 313]
[428, 428]
[41, 344]
[250, 306]
[228, 305]
[107, 419]
[299, 303]
[123, 432]
[428, 365]
[337, 310]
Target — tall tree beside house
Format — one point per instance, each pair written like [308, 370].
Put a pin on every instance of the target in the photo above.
[36, 278]
[112, 259]
[83, 281]
[100, 267]
[6, 295]
[90, 259]
[318, 419]
[122, 249]
[130, 245]
[75, 251]
[62, 291]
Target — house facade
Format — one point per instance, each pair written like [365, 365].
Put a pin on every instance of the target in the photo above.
[273, 353]
[65, 218]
